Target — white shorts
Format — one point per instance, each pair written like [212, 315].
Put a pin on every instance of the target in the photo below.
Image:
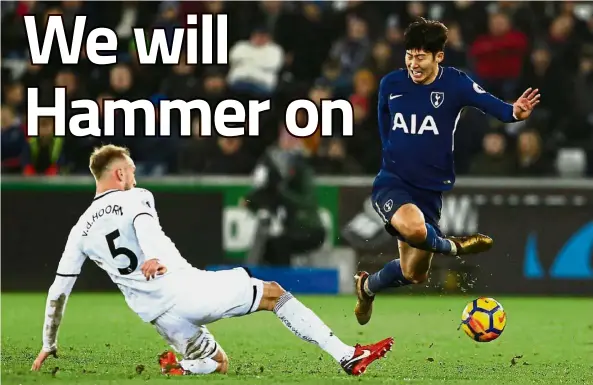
[203, 297]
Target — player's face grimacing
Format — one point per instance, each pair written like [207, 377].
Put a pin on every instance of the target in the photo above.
[422, 65]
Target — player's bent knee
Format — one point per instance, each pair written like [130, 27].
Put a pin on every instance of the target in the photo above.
[409, 222]
[413, 231]
[272, 293]
[413, 275]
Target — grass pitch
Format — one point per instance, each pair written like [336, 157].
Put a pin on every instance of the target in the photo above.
[546, 341]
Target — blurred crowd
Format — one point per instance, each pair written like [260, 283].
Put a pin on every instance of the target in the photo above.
[287, 50]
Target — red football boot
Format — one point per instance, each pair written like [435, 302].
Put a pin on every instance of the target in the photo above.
[365, 355]
[169, 364]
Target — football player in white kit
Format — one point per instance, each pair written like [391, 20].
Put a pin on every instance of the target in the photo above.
[121, 233]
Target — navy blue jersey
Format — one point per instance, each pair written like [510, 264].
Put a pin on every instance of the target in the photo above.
[417, 125]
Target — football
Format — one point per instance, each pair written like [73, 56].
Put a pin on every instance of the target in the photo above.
[483, 319]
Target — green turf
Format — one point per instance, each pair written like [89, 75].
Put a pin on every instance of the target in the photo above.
[103, 342]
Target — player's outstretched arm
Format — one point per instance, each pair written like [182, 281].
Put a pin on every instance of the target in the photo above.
[475, 96]
[57, 297]
[54, 311]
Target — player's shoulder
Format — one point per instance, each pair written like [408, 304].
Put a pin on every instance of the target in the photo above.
[452, 71]
[139, 195]
[394, 77]
[454, 74]
[140, 192]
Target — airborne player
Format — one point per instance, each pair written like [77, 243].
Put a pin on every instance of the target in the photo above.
[419, 108]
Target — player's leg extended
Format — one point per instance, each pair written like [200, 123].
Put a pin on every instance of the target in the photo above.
[411, 268]
[305, 324]
[407, 223]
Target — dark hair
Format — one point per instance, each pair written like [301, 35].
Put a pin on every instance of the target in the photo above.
[427, 35]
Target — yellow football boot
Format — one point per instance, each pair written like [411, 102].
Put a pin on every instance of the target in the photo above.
[364, 304]
[472, 244]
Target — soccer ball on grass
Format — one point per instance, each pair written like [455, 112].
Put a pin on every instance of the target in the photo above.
[483, 319]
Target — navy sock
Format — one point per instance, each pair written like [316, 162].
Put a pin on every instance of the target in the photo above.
[390, 275]
[433, 242]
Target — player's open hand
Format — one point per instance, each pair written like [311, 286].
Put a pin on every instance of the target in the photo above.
[41, 357]
[523, 107]
[152, 268]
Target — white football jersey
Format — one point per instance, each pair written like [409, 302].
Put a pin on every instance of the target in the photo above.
[105, 233]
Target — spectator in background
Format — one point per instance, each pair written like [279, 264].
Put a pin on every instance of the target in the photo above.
[121, 83]
[146, 78]
[333, 158]
[550, 78]
[455, 52]
[304, 60]
[569, 9]
[77, 149]
[395, 38]
[195, 152]
[519, 13]
[364, 148]
[499, 56]
[494, 160]
[364, 87]
[43, 154]
[157, 154]
[354, 49]
[213, 88]
[255, 65]
[181, 82]
[13, 141]
[531, 160]
[14, 96]
[279, 22]
[168, 20]
[229, 158]
[382, 60]
[33, 76]
[471, 16]
[283, 189]
[331, 74]
[67, 79]
[563, 42]
[582, 124]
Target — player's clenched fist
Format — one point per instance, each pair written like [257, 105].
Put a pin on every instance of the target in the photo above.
[152, 268]
[41, 357]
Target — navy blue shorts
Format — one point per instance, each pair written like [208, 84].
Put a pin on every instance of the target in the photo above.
[392, 193]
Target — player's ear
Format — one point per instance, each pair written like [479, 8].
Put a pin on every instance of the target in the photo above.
[440, 56]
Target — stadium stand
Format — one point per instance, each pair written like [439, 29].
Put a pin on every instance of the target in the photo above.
[316, 50]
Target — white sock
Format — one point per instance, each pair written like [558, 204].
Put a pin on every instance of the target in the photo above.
[453, 248]
[201, 366]
[366, 288]
[305, 324]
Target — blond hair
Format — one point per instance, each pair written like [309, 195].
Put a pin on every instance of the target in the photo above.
[102, 157]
